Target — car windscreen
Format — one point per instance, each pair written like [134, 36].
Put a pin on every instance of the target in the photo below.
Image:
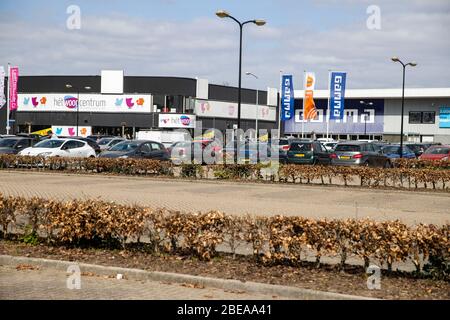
[348, 148]
[438, 150]
[104, 141]
[8, 143]
[300, 146]
[393, 149]
[415, 147]
[51, 143]
[125, 146]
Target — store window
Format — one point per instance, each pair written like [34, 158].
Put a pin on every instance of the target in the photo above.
[415, 117]
[425, 117]
[428, 117]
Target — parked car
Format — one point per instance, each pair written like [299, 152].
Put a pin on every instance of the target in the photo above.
[60, 148]
[36, 137]
[106, 143]
[249, 152]
[94, 145]
[358, 153]
[97, 137]
[418, 148]
[330, 145]
[393, 152]
[146, 149]
[283, 146]
[13, 145]
[307, 152]
[192, 152]
[436, 152]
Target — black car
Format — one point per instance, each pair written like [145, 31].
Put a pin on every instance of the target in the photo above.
[302, 151]
[12, 145]
[137, 149]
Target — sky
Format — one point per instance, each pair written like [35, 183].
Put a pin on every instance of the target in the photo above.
[185, 38]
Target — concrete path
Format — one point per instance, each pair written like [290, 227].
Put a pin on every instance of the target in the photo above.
[235, 198]
[50, 283]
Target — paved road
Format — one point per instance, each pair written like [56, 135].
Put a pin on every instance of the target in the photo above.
[51, 284]
[235, 198]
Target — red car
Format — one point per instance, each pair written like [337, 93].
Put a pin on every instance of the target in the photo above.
[436, 153]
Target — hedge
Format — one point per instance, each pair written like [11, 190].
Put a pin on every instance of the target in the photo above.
[411, 174]
[274, 240]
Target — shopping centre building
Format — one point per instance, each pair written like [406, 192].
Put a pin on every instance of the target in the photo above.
[112, 103]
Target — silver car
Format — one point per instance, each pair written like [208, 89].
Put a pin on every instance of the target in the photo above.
[358, 153]
[106, 143]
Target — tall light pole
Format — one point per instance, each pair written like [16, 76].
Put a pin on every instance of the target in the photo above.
[257, 103]
[365, 115]
[279, 108]
[404, 65]
[69, 86]
[258, 22]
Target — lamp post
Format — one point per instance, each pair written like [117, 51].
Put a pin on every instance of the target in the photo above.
[69, 86]
[258, 22]
[257, 103]
[365, 115]
[404, 65]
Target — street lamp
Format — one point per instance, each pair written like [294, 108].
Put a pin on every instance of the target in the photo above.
[257, 103]
[69, 86]
[365, 115]
[258, 22]
[412, 64]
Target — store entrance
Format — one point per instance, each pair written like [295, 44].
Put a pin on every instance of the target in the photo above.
[126, 132]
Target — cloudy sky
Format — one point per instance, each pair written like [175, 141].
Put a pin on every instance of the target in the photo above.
[185, 38]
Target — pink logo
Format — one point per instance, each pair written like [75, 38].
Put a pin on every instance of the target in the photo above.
[71, 132]
[70, 102]
[185, 120]
[205, 107]
[34, 101]
[130, 102]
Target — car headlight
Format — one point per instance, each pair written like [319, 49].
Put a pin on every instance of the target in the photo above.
[445, 159]
[44, 154]
[123, 157]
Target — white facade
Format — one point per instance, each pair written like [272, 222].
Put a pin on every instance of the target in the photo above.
[417, 100]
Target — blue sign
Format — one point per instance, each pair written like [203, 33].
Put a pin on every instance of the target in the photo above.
[287, 98]
[337, 95]
[444, 117]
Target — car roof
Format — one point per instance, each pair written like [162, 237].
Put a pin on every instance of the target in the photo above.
[354, 142]
[302, 140]
[440, 146]
[18, 138]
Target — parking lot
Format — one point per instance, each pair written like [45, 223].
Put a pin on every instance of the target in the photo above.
[235, 198]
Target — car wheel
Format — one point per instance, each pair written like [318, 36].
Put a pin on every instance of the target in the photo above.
[387, 165]
[366, 164]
